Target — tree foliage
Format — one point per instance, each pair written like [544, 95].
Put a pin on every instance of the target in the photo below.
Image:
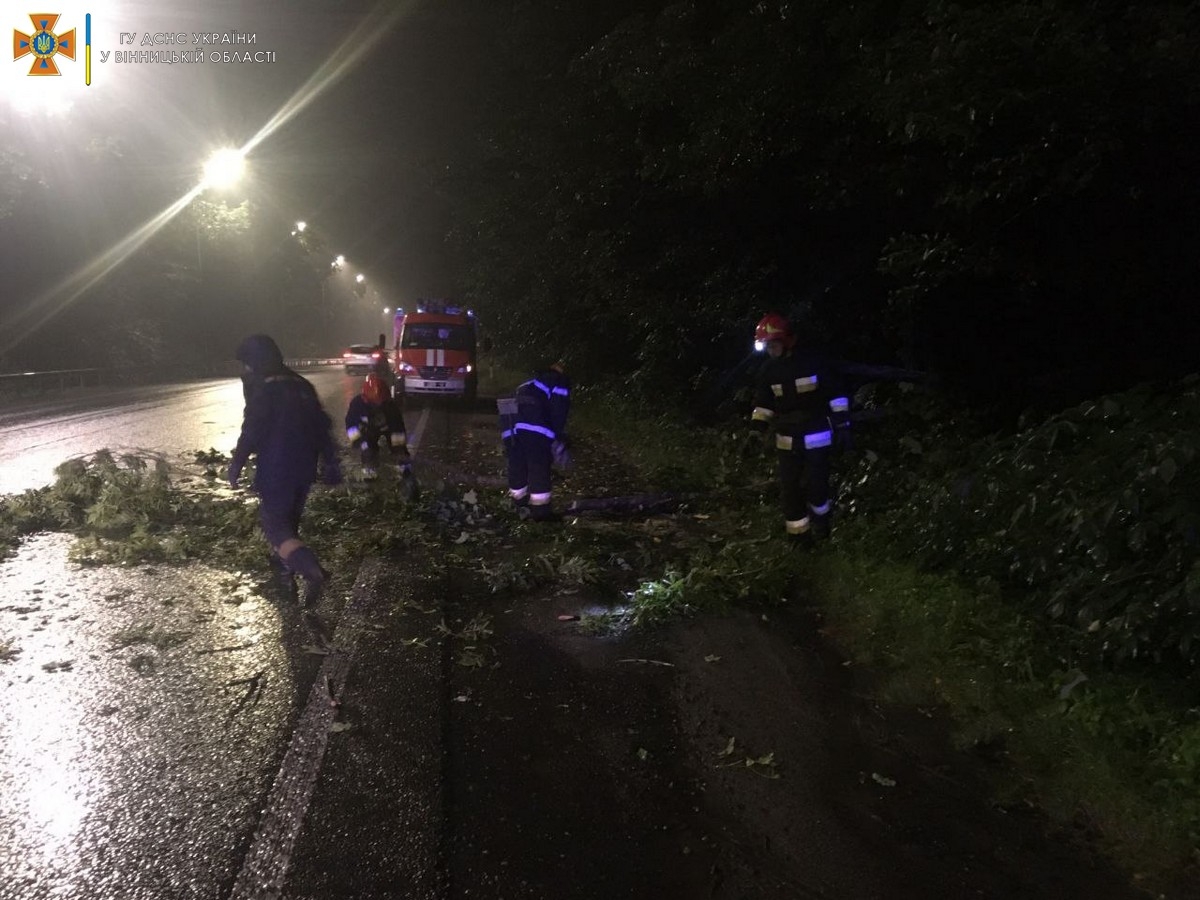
[1090, 518]
[990, 189]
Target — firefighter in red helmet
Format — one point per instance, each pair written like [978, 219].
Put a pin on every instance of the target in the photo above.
[374, 416]
[798, 395]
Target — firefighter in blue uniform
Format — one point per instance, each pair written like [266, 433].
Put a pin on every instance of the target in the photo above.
[533, 429]
[286, 428]
[799, 396]
[374, 416]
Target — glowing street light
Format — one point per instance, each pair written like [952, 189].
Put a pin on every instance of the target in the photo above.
[300, 226]
[360, 278]
[224, 169]
[338, 261]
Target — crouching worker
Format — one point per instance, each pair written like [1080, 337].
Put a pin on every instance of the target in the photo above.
[289, 432]
[533, 428]
[374, 417]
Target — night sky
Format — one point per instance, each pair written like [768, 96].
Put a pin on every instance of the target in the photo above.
[356, 162]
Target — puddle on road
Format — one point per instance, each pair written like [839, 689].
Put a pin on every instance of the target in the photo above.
[142, 713]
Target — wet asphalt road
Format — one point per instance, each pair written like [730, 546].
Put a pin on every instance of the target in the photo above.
[146, 714]
[175, 420]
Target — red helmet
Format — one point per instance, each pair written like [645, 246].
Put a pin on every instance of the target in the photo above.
[774, 327]
[374, 389]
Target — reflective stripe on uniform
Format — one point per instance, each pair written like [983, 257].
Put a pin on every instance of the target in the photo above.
[518, 493]
[352, 433]
[399, 439]
[796, 526]
[541, 387]
[762, 414]
[506, 434]
[536, 429]
[539, 499]
[819, 439]
[561, 391]
[777, 390]
[783, 442]
[822, 510]
[804, 385]
[839, 404]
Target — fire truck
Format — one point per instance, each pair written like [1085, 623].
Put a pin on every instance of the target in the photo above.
[435, 351]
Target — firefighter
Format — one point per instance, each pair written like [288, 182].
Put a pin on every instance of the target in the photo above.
[798, 395]
[533, 429]
[373, 416]
[286, 428]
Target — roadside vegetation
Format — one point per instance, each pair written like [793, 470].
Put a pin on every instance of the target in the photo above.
[1040, 587]
[134, 508]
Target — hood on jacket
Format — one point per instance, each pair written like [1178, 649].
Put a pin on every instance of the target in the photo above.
[261, 354]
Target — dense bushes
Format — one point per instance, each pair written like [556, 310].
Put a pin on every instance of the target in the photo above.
[1090, 516]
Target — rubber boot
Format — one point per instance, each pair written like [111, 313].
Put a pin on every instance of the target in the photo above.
[282, 575]
[304, 561]
[802, 541]
[543, 513]
[820, 528]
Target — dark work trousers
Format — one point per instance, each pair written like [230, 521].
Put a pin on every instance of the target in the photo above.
[804, 489]
[368, 444]
[529, 467]
[279, 513]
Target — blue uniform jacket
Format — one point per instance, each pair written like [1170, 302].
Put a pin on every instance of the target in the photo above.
[288, 430]
[543, 404]
[801, 395]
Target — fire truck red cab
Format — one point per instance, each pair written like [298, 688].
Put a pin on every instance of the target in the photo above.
[435, 350]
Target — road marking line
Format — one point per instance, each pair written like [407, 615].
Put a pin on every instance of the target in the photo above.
[265, 866]
[414, 436]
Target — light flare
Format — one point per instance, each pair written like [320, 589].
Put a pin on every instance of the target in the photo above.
[348, 54]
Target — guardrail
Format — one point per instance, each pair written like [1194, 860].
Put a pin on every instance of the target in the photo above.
[31, 383]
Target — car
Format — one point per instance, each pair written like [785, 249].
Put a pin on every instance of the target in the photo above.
[362, 357]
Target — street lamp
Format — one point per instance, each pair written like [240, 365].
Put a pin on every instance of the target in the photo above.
[360, 278]
[224, 169]
[300, 226]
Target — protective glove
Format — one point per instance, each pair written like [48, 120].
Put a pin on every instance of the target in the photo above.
[331, 474]
[839, 424]
[843, 438]
[560, 452]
